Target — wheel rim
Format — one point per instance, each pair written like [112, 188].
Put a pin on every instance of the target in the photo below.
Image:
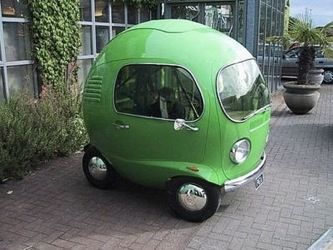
[97, 168]
[328, 76]
[192, 197]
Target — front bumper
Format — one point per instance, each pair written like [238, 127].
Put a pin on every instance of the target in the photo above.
[231, 185]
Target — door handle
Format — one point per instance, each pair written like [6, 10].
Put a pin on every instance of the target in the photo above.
[321, 62]
[180, 124]
[119, 125]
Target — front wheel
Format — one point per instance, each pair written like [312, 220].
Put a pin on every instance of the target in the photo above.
[328, 76]
[98, 170]
[193, 199]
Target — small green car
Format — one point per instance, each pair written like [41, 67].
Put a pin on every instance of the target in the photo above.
[175, 104]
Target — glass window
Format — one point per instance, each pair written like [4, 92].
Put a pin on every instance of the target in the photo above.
[132, 14]
[117, 30]
[17, 8]
[86, 37]
[144, 15]
[219, 17]
[2, 96]
[189, 12]
[102, 37]
[20, 78]
[17, 41]
[85, 10]
[84, 67]
[241, 17]
[118, 12]
[101, 11]
[167, 92]
[242, 90]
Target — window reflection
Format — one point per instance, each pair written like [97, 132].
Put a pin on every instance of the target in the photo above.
[117, 30]
[219, 17]
[189, 12]
[101, 11]
[132, 14]
[102, 37]
[85, 10]
[84, 67]
[118, 12]
[20, 78]
[17, 41]
[241, 17]
[144, 15]
[17, 8]
[157, 91]
[86, 37]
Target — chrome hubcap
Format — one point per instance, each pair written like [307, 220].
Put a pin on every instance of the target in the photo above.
[328, 76]
[97, 168]
[192, 197]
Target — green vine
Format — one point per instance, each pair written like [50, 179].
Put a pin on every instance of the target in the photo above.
[56, 39]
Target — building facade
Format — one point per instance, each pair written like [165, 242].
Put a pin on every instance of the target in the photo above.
[100, 21]
[250, 22]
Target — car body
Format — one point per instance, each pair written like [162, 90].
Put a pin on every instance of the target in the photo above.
[164, 111]
[290, 64]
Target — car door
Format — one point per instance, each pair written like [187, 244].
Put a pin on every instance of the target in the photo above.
[290, 63]
[320, 60]
[147, 101]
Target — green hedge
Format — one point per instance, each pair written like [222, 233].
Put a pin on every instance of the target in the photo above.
[33, 130]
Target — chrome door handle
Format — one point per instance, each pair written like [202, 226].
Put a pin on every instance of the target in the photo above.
[121, 126]
[181, 123]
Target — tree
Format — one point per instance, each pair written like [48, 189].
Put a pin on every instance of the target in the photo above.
[302, 31]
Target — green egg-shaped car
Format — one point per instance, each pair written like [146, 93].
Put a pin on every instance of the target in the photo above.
[177, 105]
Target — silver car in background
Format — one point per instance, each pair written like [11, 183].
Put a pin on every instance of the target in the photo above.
[290, 64]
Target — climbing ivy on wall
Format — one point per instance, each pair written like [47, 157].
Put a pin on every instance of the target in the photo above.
[56, 39]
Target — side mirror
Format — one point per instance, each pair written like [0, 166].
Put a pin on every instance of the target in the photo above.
[181, 123]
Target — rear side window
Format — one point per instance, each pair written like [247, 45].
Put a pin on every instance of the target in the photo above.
[157, 91]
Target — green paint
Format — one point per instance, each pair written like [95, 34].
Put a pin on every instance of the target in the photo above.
[151, 151]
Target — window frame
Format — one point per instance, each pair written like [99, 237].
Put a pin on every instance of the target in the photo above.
[93, 24]
[220, 101]
[5, 64]
[152, 117]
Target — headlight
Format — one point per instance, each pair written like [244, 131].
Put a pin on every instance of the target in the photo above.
[240, 151]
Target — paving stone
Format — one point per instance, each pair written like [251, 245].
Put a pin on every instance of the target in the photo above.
[55, 207]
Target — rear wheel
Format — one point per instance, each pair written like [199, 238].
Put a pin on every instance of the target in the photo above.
[193, 199]
[98, 170]
[328, 76]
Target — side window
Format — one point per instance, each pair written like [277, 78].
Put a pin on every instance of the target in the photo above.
[159, 91]
[319, 53]
[292, 53]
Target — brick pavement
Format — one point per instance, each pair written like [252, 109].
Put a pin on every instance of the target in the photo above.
[55, 208]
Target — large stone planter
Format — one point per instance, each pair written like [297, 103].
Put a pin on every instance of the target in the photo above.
[315, 76]
[300, 99]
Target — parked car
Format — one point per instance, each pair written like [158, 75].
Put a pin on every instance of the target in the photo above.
[166, 112]
[290, 64]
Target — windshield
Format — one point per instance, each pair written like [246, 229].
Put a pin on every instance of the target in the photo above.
[242, 90]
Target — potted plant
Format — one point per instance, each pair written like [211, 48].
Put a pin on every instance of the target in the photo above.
[302, 95]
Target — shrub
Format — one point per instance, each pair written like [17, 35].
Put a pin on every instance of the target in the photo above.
[33, 130]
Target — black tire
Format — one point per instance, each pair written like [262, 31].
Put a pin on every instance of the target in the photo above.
[328, 76]
[108, 179]
[213, 198]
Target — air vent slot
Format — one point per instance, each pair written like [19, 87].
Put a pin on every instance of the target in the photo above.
[93, 89]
